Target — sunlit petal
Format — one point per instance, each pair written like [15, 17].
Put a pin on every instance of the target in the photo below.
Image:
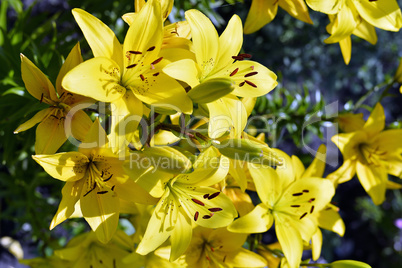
[38, 117]
[261, 12]
[259, 220]
[73, 59]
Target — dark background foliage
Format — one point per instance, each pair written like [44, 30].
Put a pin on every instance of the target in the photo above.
[312, 76]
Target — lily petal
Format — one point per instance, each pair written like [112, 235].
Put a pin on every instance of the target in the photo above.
[366, 31]
[98, 78]
[327, 7]
[344, 173]
[36, 82]
[297, 9]
[69, 166]
[205, 40]
[38, 117]
[73, 59]
[50, 135]
[184, 70]
[259, 220]
[261, 12]
[71, 193]
[317, 167]
[374, 181]
[329, 219]
[316, 244]
[376, 121]
[101, 211]
[99, 36]
[343, 25]
[181, 236]
[346, 49]
[267, 183]
[383, 14]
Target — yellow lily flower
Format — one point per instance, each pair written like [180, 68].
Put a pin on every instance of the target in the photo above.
[291, 202]
[86, 251]
[218, 248]
[96, 179]
[263, 12]
[126, 75]
[372, 153]
[188, 200]
[55, 121]
[214, 59]
[359, 18]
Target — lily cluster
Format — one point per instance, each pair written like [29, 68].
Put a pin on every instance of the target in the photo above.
[183, 84]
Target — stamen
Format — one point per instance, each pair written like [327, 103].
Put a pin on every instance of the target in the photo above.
[151, 48]
[196, 216]
[234, 72]
[212, 249]
[295, 206]
[70, 94]
[297, 194]
[237, 58]
[61, 95]
[208, 258]
[302, 216]
[306, 191]
[102, 174]
[135, 52]
[155, 74]
[41, 98]
[113, 187]
[157, 61]
[54, 116]
[93, 188]
[252, 67]
[312, 209]
[245, 55]
[250, 83]
[107, 178]
[197, 202]
[215, 209]
[102, 192]
[131, 66]
[250, 74]
[206, 196]
[224, 258]
[213, 195]
[142, 77]
[311, 200]
[241, 84]
[206, 217]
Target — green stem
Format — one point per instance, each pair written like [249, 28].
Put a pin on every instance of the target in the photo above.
[376, 88]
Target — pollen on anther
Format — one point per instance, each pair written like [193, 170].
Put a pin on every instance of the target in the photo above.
[234, 72]
[250, 74]
[196, 216]
[197, 202]
[215, 209]
[206, 196]
[245, 55]
[151, 48]
[142, 77]
[135, 52]
[241, 84]
[302, 216]
[237, 58]
[108, 177]
[155, 74]
[102, 192]
[297, 194]
[295, 206]
[213, 195]
[312, 209]
[41, 98]
[131, 66]
[157, 61]
[306, 191]
[206, 217]
[250, 83]
[311, 200]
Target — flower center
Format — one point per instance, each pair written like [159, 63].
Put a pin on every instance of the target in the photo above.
[370, 155]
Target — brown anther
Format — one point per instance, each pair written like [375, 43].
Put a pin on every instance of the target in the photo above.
[54, 116]
[302, 216]
[41, 98]
[135, 52]
[197, 202]
[70, 94]
[113, 187]
[312, 209]
[224, 259]
[142, 77]
[237, 58]
[206, 196]
[295, 206]
[305, 191]
[208, 258]
[93, 188]
[196, 216]
[157, 61]
[102, 192]
[311, 200]
[297, 194]
[250, 74]
[155, 74]
[102, 174]
[62, 118]
[234, 72]
[245, 55]
[213, 195]
[215, 209]
[252, 67]
[250, 83]
[206, 217]
[107, 178]
[151, 48]
[131, 66]
[212, 249]
[61, 96]
[241, 84]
